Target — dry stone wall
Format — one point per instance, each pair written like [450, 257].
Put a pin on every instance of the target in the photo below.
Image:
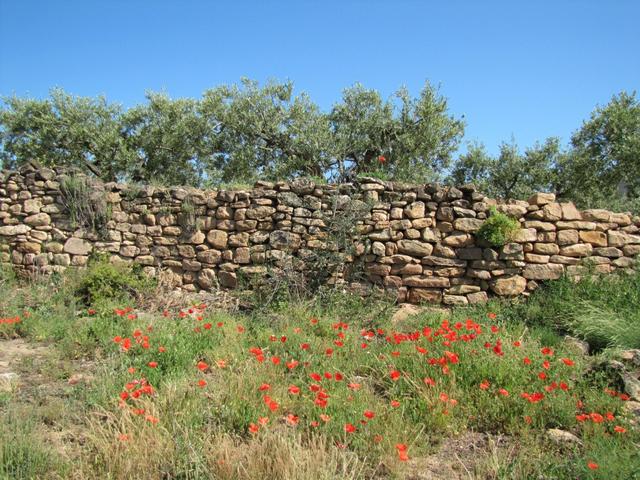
[416, 240]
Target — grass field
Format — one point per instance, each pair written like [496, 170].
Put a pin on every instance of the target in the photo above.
[139, 385]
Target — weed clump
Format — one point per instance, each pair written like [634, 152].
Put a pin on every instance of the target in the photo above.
[499, 229]
[105, 281]
[85, 203]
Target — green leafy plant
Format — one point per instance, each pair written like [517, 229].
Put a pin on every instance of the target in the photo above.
[103, 280]
[498, 229]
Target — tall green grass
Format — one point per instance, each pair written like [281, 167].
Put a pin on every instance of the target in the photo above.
[603, 310]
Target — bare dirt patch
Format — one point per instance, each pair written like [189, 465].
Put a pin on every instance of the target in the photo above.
[457, 458]
[13, 354]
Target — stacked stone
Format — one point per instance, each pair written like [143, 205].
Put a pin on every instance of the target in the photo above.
[417, 240]
[424, 244]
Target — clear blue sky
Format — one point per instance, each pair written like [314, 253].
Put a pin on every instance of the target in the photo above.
[527, 69]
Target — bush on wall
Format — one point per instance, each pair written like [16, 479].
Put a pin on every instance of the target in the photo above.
[499, 229]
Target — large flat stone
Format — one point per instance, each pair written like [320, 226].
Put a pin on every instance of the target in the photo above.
[509, 285]
[548, 271]
[414, 248]
[77, 246]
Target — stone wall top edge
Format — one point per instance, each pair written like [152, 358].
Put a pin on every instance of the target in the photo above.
[302, 186]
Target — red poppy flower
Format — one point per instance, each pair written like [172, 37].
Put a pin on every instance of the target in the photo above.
[202, 366]
[430, 382]
[503, 392]
[292, 419]
[619, 429]
[546, 351]
[293, 390]
[568, 362]
[152, 364]
[253, 428]
[402, 452]
[202, 383]
[395, 375]
[395, 403]
[264, 387]
[369, 414]
[381, 159]
[592, 465]
[324, 417]
[292, 364]
[349, 428]
[484, 385]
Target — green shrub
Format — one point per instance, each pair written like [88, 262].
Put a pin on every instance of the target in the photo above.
[104, 281]
[498, 229]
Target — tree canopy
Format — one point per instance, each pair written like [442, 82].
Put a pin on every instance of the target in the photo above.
[239, 133]
[235, 133]
[600, 167]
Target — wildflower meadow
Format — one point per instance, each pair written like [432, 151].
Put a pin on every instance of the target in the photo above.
[335, 386]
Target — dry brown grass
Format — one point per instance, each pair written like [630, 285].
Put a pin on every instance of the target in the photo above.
[152, 453]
